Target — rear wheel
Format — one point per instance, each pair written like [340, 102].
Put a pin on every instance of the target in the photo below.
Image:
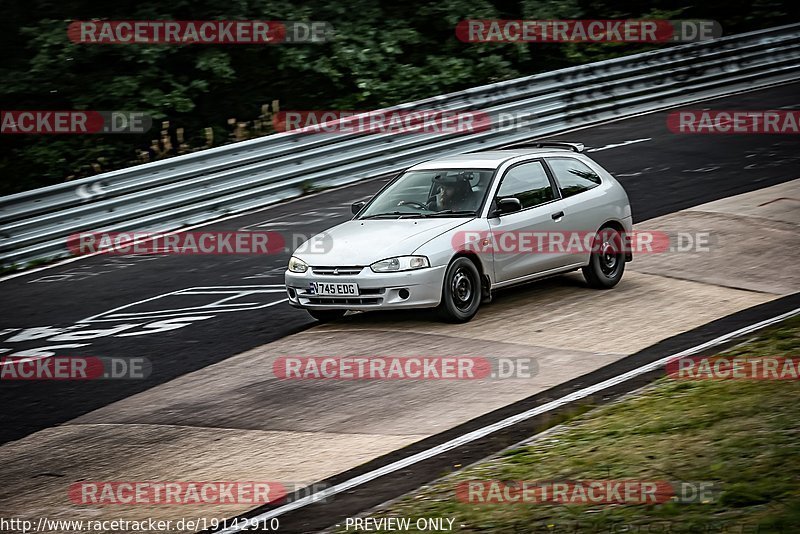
[461, 291]
[607, 262]
[326, 316]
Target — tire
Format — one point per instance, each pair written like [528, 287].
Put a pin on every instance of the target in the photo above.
[326, 316]
[607, 262]
[461, 291]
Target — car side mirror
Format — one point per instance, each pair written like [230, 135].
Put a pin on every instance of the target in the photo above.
[508, 205]
[355, 208]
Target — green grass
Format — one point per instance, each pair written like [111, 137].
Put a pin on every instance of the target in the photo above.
[11, 268]
[744, 436]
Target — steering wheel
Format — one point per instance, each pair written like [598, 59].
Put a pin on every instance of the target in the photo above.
[413, 203]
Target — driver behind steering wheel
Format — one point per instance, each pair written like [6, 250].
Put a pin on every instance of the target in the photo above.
[455, 193]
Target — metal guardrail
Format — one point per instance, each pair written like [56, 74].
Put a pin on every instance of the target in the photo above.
[202, 186]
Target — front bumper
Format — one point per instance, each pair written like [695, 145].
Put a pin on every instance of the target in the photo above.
[377, 291]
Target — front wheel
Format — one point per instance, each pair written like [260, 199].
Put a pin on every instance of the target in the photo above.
[461, 291]
[326, 316]
[607, 262]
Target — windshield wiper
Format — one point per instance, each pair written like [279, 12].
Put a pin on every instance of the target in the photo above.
[393, 214]
[450, 212]
[376, 215]
[401, 215]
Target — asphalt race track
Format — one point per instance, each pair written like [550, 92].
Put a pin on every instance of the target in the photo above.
[137, 306]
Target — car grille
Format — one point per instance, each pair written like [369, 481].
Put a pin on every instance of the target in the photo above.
[342, 271]
[344, 300]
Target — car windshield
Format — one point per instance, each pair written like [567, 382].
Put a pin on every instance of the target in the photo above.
[432, 193]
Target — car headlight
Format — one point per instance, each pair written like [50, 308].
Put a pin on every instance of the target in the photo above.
[400, 263]
[296, 265]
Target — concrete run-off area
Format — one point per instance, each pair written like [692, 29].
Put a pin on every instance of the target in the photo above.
[236, 421]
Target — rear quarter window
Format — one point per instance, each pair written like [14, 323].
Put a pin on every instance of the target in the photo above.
[573, 176]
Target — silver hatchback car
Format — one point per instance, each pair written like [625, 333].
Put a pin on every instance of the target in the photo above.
[447, 232]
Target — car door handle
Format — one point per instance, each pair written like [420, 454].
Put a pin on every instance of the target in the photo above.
[557, 216]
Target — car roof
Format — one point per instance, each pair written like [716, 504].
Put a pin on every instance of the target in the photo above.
[488, 159]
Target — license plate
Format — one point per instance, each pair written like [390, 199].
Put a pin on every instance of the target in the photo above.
[325, 289]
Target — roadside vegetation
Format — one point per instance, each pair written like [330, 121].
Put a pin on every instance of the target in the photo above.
[742, 435]
[206, 95]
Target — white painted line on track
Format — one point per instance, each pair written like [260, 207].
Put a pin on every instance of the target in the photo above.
[110, 315]
[499, 425]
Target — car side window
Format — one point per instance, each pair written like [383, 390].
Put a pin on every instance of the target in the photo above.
[527, 182]
[573, 176]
